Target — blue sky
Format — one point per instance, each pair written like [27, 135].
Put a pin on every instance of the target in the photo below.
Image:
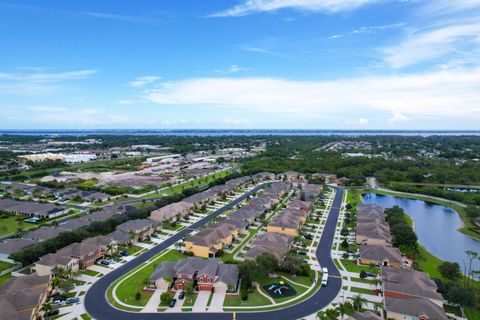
[306, 64]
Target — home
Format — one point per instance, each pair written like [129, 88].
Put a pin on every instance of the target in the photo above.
[139, 229]
[263, 176]
[327, 177]
[214, 237]
[311, 191]
[22, 297]
[249, 214]
[373, 233]
[50, 263]
[235, 184]
[86, 254]
[109, 212]
[261, 201]
[291, 176]
[172, 211]
[31, 208]
[274, 243]
[202, 198]
[207, 275]
[379, 255]
[11, 246]
[410, 293]
[304, 206]
[74, 224]
[44, 233]
[287, 222]
[107, 244]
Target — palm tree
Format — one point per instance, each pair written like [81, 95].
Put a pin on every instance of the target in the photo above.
[359, 301]
[46, 307]
[342, 310]
[321, 315]
[332, 314]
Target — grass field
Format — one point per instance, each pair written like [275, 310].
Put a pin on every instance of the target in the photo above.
[5, 278]
[10, 225]
[351, 266]
[197, 182]
[127, 290]
[5, 265]
[254, 299]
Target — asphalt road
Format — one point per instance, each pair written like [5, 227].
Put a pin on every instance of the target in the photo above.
[99, 308]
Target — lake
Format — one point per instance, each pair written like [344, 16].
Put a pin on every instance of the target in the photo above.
[435, 225]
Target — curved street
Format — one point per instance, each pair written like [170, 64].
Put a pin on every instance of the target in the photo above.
[98, 307]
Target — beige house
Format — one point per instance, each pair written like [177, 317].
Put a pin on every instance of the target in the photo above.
[287, 222]
[214, 237]
[172, 211]
[50, 263]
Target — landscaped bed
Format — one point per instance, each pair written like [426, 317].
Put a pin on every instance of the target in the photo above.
[280, 289]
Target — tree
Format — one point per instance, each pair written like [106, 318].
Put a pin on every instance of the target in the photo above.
[344, 231]
[344, 244]
[449, 270]
[189, 290]
[138, 296]
[332, 314]
[363, 274]
[46, 307]
[321, 315]
[358, 301]
[66, 286]
[267, 263]
[462, 296]
[166, 297]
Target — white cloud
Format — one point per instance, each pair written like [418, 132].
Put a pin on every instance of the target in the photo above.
[328, 6]
[449, 93]
[426, 45]
[143, 80]
[359, 122]
[25, 83]
[237, 121]
[397, 117]
[368, 30]
[449, 6]
[234, 68]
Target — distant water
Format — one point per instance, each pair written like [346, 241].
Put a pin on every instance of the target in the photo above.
[435, 225]
[246, 132]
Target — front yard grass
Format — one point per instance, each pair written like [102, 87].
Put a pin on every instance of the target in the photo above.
[362, 290]
[91, 273]
[5, 278]
[254, 299]
[352, 266]
[127, 290]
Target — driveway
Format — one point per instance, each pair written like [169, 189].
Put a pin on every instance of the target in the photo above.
[154, 301]
[201, 302]
[217, 301]
[178, 305]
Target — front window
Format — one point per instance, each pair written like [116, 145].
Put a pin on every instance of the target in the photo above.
[200, 280]
[208, 279]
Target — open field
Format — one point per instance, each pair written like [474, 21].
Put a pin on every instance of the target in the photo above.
[11, 225]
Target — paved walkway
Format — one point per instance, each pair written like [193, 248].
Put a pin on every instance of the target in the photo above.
[216, 305]
[201, 302]
[154, 301]
[264, 294]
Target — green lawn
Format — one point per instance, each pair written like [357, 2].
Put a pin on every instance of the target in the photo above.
[254, 299]
[10, 225]
[361, 290]
[5, 265]
[351, 266]
[134, 249]
[85, 316]
[5, 278]
[91, 273]
[127, 290]
[197, 182]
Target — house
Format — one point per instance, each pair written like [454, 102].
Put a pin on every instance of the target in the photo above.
[263, 176]
[214, 237]
[172, 211]
[291, 176]
[406, 283]
[380, 256]
[107, 244]
[413, 308]
[304, 206]
[287, 222]
[109, 212]
[74, 224]
[261, 201]
[267, 242]
[207, 275]
[11, 246]
[122, 238]
[312, 191]
[86, 254]
[236, 183]
[327, 177]
[202, 198]
[249, 214]
[140, 229]
[21, 298]
[367, 315]
[373, 233]
[242, 226]
[44, 233]
[83, 195]
[50, 263]
[31, 208]
[411, 294]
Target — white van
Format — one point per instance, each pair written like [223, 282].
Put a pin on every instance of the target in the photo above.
[324, 279]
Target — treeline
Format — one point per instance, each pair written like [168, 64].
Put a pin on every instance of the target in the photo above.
[31, 254]
[402, 232]
[464, 197]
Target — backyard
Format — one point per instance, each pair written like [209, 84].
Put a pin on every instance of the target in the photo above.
[11, 225]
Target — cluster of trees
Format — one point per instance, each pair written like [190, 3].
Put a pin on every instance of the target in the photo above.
[403, 235]
[346, 308]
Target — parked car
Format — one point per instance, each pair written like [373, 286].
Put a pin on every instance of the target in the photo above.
[51, 313]
[350, 251]
[105, 262]
[72, 300]
[124, 253]
[303, 260]
[181, 295]
[301, 253]
[172, 303]
[369, 274]
[59, 303]
[308, 237]
[154, 235]
[58, 298]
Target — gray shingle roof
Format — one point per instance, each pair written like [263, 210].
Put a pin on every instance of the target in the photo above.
[380, 253]
[10, 246]
[415, 307]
